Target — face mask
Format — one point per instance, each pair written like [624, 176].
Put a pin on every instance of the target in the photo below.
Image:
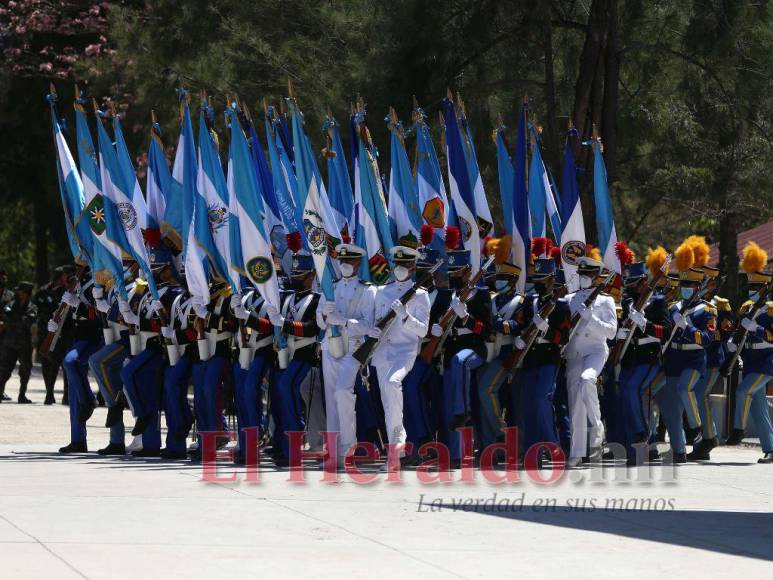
[402, 273]
[297, 284]
[687, 293]
[347, 270]
[501, 285]
[585, 281]
[528, 288]
[754, 295]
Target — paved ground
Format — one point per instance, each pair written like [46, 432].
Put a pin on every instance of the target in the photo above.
[87, 517]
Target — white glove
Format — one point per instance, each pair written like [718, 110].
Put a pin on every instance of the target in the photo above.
[102, 306]
[236, 299]
[130, 318]
[586, 313]
[374, 331]
[518, 343]
[70, 299]
[274, 316]
[540, 323]
[680, 321]
[155, 307]
[200, 310]
[436, 330]
[52, 326]
[638, 318]
[328, 308]
[240, 311]
[459, 307]
[622, 333]
[749, 324]
[97, 292]
[731, 346]
[167, 332]
[399, 308]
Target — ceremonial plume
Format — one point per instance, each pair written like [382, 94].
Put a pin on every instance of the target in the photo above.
[655, 259]
[685, 257]
[754, 259]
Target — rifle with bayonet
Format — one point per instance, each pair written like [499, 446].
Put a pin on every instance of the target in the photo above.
[61, 313]
[435, 343]
[705, 288]
[589, 300]
[368, 347]
[741, 334]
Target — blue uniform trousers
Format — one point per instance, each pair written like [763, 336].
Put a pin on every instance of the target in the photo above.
[76, 368]
[490, 420]
[291, 403]
[176, 409]
[416, 411]
[458, 382]
[141, 378]
[633, 383]
[207, 378]
[248, 390]
[702, 391]
[538, 384]
[561, 410]
[751, 384]
[105, 365]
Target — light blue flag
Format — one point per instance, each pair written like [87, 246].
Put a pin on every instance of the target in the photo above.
[537, 192]
[121, 218]
[552, 205]
[316, 228]
[505, 172]
[339, 185]
[521, 241]
[283, 176]
[605, 218]
[404, 214]
[430, 188]
[129, 174]
[462, 195]
[573, 230]
[371, 225]
[482, 210]
[164, 193]
[212, 234]
[251, 251]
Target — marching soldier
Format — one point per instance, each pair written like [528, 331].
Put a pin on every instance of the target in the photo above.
[396, 352]
[352, 314]
[586, 353]
[46, 300]
[16, 322]
[757, 355]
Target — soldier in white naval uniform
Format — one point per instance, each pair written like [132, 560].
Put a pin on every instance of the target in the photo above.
[352, 314]
[586, 354]
[396, 352]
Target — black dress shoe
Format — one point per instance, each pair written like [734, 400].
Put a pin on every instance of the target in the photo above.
[114, 415]
[692, 436]
[65, 401]
[167, 454]
[701, 451]
[23, 401]
[87, 411]
[640, 438]
[49, 400]
[654, 455]
[74, 448]
[100, 400]
[679, 457]
[735, 437]
[113, 449]
[146, 453]
[281, 461]
[141, 423]
[767, 458]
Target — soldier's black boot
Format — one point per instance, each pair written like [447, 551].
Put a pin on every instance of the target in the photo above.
[114, 415]
[692, 435]
[87, 411]
[113, 449]
[701, 451]
[735, 437]
[73, 448]
[141, 423]
[767, 458]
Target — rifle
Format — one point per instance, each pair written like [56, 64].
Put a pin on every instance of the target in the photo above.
[446, 322]
[529, 336]
[739, 339]
[49, 343]
[587, 302]
[685, 308]
[622, 344]
[366, 349]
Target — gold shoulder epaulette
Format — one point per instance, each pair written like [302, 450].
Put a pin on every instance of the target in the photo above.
[746, 306]
[722, 304]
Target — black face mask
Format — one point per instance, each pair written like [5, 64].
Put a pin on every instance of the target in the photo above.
[540, 288]
[297, 284]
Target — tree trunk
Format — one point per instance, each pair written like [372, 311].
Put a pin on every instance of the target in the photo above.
[552, 148]
[608, 125]
[728, 248]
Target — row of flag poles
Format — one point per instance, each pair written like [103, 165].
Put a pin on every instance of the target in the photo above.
[231, 220]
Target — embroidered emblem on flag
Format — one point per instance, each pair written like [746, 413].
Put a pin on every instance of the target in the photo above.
[434, 213]
[260, 269]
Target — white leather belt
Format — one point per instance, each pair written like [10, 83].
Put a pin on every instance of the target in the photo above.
[463, 331]
[686, 346]
[540, 340]
[299, 343]
[263, 342]
[648, 340]
[758, 346]
[218, 336]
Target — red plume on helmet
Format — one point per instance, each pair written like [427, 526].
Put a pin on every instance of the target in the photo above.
[539, 246]
[452, 237]
[555, 253]
[427, 234]
[487, 246]
[294, 242]
[346, 239]
[624, 253]
[152, 237]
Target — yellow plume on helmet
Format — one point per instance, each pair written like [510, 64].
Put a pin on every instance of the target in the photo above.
[499, 248]
[594, 253]
[754, 259]
[655, 259]
[700, 250]
[685, 257]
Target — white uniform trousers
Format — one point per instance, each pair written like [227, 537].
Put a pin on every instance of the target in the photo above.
[581, 375]
[340, 375]
[390, 382]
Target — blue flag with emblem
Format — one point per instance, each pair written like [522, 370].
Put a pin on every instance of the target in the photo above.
[482, 210]
[164, 193]
[213, 233]
[521, 240]
[129, 174]
[605, 218]
[339, 182]
[121, 219]
[505, 173]
[251, 253]
[462, 196]
[404, 213]
[433, 201]
[573, 228]
[371, 225]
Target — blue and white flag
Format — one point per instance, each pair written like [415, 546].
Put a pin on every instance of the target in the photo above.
[272, 221]
[573, 233]
[462, 195]
[371, 225]
[339, 183]
[134, 191]
[164, 193]
[252, 256]
[283, 176]
[552, 207]
[121, 218]
[505, 172]
[433, 201]
[185, 172]
[521, 240]
[537, 189]
[213, 234]
[482, 210]
[404, 213]
[315, 226]
[605, 218]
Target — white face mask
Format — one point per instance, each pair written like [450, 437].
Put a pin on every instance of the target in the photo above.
[501, 284]
[585, 281]
[401, 273]
[347, 270]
